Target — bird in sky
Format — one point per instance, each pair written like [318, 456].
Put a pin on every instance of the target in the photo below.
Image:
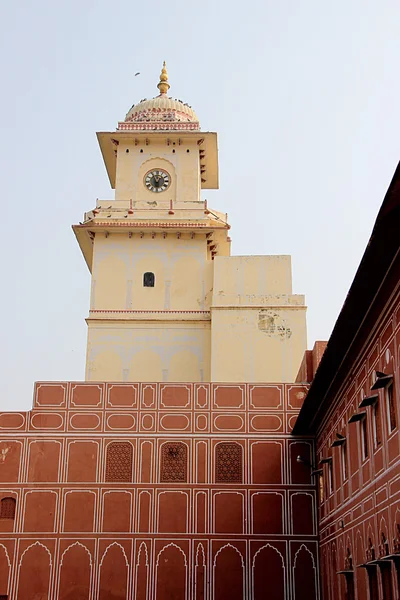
[136, 74]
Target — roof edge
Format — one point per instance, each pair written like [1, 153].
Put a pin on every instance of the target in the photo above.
[382, 249]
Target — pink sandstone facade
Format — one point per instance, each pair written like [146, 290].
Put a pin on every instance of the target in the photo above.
[352, 408]
[157, 491]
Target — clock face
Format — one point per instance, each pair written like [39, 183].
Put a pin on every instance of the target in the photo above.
[157, 180]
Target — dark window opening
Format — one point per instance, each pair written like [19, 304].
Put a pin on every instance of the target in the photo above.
[149, 279]
[364, 438]
[344, 461]
[350, 593]
[3, 597]
[373, 582]
[7, 508]
[321, 488]
[391, 408]
[376, 414]
[386, 578]
[397, 567]
[330, 477]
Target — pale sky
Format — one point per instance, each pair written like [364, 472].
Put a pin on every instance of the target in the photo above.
[304, 95]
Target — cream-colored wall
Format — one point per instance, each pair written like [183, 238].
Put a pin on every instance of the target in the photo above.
[183, 274]
[238, 278]
[124, 345]
[180, 161]
[258, 328]
[229, 319]
[257, 331]
[148, 351]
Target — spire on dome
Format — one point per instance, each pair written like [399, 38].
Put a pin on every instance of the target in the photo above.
[163, 85]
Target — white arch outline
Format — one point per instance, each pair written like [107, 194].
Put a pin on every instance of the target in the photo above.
[167, 546]
[7, 555]
[139, 553]
[370, 535]
[101, 564]
[203, 564]
[37, 543]
[9, 567]
[108, 548]
[396, 522]
[228, 545]
[383, 529]
[69, 548]
[138, 565]
[309, 552]
[61, 563]
[362, 557]
[313, 564]
[198, 552]
[268, 545]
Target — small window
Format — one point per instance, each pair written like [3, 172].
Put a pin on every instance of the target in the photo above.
[119, 462]
[228, 463]
[376, 422]
[173, 462]
[321, 488]
[364, 438]
[3, 597]
[330, 477]
[149, 280]
[7, 508]
[391, 407]
[344, 461]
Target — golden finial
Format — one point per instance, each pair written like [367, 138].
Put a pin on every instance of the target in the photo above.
[163, 86]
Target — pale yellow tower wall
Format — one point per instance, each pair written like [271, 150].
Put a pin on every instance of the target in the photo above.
[258, 331]
[159, 333]
[148, 351]
[183, 275]
[180, 161]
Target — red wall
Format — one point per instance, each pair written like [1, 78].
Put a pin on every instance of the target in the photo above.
[180, 533]
[363, 512]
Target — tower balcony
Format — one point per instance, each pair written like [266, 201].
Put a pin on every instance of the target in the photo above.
[128, 210]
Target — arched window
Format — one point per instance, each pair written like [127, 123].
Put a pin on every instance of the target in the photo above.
[119, 462]
[7, 508]
[149, 279]
[173, 462]
[228, 463]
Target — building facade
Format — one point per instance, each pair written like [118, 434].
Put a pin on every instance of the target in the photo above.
[171, 472]
[168, 302]
[120, 490]
[353, 410]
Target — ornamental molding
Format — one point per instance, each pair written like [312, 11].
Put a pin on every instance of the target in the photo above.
[197, 312]
[159, 115]
[162, 224]
[159, 125]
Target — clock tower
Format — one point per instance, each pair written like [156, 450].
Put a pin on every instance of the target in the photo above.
[168, 302]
